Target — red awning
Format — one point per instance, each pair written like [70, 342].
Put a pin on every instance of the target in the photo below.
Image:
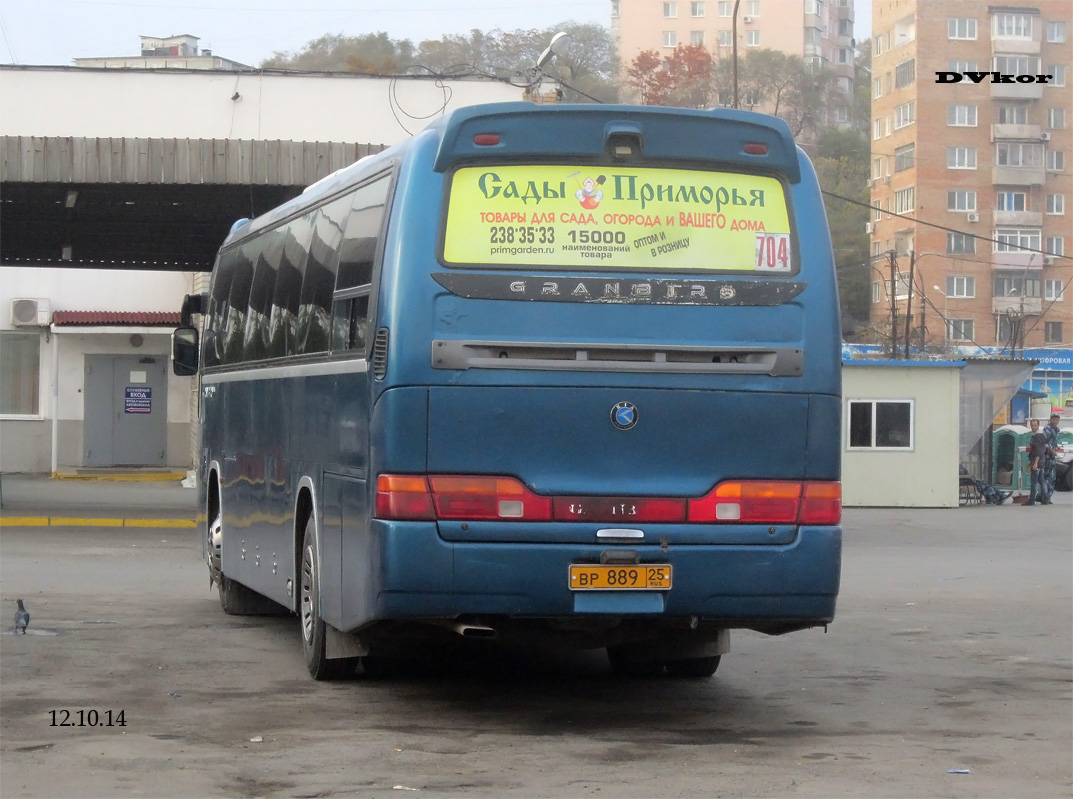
[117, 318]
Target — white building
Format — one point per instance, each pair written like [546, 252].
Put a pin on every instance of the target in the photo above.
[84, 375]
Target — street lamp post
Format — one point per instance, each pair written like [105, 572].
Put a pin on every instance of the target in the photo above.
[946, 325]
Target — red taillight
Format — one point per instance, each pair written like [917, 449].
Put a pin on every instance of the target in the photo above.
[755, 148]
[487, 498]
[486, 139]
[492, 498]
[821, 504]
[769, 502]
[403, 497]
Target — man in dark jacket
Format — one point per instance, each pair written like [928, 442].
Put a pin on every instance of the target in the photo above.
[1037, 451]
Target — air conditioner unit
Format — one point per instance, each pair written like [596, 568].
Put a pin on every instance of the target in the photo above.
[887, 180]
[1048, 260]
[746, 19]
[30, 313]
[1045, 136]
[869, 183]
[973, 217]
[869, 227]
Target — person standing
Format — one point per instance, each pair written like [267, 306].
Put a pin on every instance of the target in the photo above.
[1050, 458]
[1037, 447]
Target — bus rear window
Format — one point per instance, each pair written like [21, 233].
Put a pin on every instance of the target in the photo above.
[614, 218]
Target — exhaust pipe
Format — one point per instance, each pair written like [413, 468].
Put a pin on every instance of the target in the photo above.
[473, 630]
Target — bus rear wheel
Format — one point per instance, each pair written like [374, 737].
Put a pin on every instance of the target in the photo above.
[314, 633]
[693, 668]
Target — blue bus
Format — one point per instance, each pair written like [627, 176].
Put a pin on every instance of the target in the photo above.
[541, 373]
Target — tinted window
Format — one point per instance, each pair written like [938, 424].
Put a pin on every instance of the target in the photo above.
[238, 299]
[362, 232]
[286, 300]
[350, 323]
[255, 345]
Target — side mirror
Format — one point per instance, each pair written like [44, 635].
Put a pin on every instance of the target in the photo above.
[184, 351]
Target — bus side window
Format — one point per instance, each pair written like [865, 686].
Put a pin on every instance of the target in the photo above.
[350, 323]
[362, 231]
[214, 324]
[255, 342]
[314, 316]
[286, 301]
[238, 300]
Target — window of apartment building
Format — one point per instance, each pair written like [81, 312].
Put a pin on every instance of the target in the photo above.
[845, 27]
[888, 124]
[961, 66]
[1016, 240]
[1056, 32]
[696, 37]
[1056, 203]
[1003, 331]
[725, 8]
[1010, 286]
[1015, 64]
[960, 286]
[961, 200]
[670, 39]
[841, 114]
[1058, 73]
[813, 37]
[905, 73]
[752, 8]
[1053, 290]
[880, 424]
[1012, 26]
[959, 329]
[696, 9]
[1013, 115]
[901, 282]
[877, 129]
[960, 28]
[751, 98]
[961, 116]
[1011, 201]
[905, 114]
[752, 38]
[1056, 245]
[905, 157]
[1052, 332]
[1056, 118]
[845, 55]
[877, 88]
[877, 291]
[1018, 154]
[888, 79]
[961, 158]
[725, 38]
[670, 10]
[20, 373]
[961, 243]
[905, 200]
[877, 247]
[1056, 160]
[877, 46]
[814, 7]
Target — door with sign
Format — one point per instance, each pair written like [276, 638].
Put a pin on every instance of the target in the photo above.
[125, 411]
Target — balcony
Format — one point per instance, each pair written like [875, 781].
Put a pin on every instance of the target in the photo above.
[1016, 91]
[1018, 218]
[1030, 132]
[1017, 175]
[1018, 261]
[1015, 45]
[1032, 306]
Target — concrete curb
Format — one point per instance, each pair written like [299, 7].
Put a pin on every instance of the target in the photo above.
[119, 477]
[75, 521]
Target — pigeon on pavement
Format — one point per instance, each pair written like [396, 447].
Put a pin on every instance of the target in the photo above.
[22, 619]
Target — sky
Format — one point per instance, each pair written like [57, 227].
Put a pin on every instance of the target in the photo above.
[53, 32]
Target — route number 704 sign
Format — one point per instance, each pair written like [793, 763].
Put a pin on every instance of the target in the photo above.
[772, 252]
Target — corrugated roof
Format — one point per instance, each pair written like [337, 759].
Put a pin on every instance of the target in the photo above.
[117, 318]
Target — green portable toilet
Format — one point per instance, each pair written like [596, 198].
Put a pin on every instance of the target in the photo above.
[1009, 459]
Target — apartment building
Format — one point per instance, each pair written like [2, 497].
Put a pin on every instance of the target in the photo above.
[821, 31]
[967, 138]
[165, 52]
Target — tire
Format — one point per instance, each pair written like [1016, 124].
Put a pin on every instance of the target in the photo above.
[313, 628]
[694, 668]
[1066, 480]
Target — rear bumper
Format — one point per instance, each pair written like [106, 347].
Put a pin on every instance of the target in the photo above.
[753, 586]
